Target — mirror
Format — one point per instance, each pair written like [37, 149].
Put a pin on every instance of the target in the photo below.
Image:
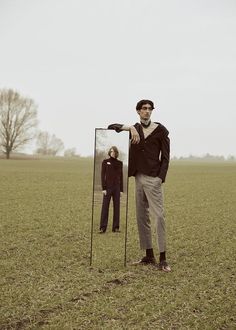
[109, 202]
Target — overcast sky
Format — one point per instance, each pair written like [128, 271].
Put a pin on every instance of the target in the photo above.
[87, 63]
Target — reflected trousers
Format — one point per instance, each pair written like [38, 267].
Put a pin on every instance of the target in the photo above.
[149, 200]
[114, 193]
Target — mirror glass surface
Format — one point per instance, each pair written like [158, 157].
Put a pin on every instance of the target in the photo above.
[109, 248]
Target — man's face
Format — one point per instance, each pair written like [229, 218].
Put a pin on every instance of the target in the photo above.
[145, 112]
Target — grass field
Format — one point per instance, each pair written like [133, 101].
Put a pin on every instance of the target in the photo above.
[46, 281]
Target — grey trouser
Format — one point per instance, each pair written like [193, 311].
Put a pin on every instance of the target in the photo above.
[149, 197]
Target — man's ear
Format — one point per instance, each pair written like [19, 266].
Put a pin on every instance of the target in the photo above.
[138, 112]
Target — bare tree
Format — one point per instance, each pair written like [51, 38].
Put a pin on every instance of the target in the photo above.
[43, 143]
[70, 153]
[49, 144]
[56, 145]
[18, 120]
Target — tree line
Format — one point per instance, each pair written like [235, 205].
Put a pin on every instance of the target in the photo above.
[206, 158]
[18, 126]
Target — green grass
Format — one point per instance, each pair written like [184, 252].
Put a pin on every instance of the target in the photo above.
[46, 281]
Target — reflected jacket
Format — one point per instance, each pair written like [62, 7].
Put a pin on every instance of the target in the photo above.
[112, 173]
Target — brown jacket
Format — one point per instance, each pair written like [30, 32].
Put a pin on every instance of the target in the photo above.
[151, 155]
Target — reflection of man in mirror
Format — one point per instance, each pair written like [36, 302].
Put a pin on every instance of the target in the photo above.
[112, 186]
[148, 163]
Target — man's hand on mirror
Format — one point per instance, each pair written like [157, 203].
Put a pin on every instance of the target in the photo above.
[135, 138]
[104, 192]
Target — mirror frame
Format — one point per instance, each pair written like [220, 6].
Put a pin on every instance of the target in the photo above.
[93, 193]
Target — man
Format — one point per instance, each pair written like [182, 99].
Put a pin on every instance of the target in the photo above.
[112, 186]
[148, 163]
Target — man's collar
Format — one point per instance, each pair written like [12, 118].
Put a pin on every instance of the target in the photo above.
[145, 123]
